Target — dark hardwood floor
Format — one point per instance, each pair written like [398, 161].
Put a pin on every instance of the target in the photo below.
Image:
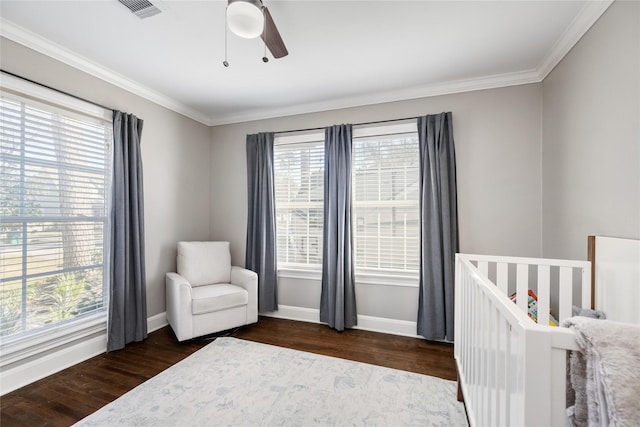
[70, 395]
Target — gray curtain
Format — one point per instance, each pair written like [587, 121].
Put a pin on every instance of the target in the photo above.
[260, 253]
[338, 298]
[438, 226]
[127, 281]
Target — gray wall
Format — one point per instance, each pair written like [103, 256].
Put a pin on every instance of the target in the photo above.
[175, 155]
[498, 144]
[577, 133]
[591, 137]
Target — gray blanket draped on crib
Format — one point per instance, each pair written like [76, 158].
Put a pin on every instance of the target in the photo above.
[605, 374]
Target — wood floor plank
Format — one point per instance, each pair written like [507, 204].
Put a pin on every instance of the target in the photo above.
[70, 395]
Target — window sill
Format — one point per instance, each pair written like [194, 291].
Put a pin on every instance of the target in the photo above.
[361, 279]
[387, 280]
[294, 273]
[21, 348]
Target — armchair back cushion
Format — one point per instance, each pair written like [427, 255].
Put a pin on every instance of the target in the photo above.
[204, 263]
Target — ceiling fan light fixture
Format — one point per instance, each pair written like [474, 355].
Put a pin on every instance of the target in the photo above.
[245, 18]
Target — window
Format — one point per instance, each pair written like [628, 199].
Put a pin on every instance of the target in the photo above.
[385, 191]
[299, 193]
[55, 170]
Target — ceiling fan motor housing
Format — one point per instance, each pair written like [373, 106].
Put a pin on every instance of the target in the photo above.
[245, 18]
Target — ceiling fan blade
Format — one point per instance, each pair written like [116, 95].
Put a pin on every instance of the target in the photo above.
[271, 37]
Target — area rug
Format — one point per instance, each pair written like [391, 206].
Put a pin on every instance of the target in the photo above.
[232, 382]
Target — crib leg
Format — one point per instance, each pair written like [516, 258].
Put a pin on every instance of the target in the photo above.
[460, 397]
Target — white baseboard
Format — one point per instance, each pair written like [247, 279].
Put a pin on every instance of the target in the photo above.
[405, 328]
[22, 374]
[18, 376]
[367, 323]
[290, 312]
[34, 370]
[156, 322]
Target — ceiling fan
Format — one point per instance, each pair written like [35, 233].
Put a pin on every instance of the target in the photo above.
[250, 19]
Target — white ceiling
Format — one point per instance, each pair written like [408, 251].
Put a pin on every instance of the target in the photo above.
[341, 53]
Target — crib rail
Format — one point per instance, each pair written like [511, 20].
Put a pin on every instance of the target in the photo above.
[537, 273]
[512, 370]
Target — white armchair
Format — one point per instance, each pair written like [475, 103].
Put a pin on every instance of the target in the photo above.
[207, 294]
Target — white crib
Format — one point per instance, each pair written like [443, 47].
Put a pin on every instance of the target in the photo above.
[512, 370]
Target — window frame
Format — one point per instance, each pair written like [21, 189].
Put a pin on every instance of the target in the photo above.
[296, 270]
[50, 338]
[362, 276]
[371, 276]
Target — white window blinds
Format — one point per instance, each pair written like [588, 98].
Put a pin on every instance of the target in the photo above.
[385, 212]
[55, 169]
[385, 192]
[299, 193]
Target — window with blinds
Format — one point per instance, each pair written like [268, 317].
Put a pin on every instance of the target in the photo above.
[385, 191]
[299, 193]
[54, 186]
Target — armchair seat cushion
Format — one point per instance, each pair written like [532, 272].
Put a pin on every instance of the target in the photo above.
[221, 296]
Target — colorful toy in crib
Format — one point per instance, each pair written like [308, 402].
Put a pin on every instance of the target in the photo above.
[533, 308]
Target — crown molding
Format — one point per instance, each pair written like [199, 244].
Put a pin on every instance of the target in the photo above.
[579, 26]
[589, 14]
[40, 44]
[447, 88]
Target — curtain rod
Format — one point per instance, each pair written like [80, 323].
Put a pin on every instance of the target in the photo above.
[56, 90]
[354, 124]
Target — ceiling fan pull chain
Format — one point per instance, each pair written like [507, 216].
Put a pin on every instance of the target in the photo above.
[226, 31]
[264, 57]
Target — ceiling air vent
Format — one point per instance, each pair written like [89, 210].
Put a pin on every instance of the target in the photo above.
[141, 8]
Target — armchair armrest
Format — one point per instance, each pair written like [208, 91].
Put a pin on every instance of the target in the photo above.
[248, 280]
[178, 300]
[174, 279]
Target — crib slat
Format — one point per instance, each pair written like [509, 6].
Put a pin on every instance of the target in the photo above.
[508, 380]
[522, 287]
[464, 334]
[502, 270]
[566, 293]
[483, 359]
[475, 368]
[470, 349]
[492, 365]
[496, 366]
[469, 344]
[495, 351]
[544, 294]
[500, 361]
